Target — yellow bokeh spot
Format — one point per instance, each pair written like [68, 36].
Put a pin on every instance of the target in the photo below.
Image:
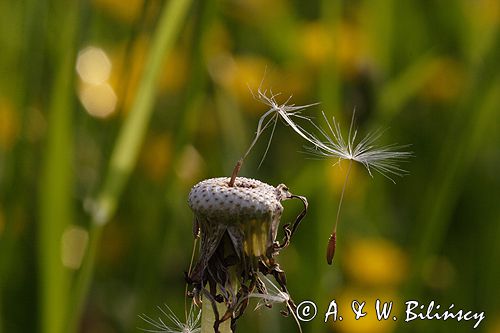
[74, 244]
[9, 125]
[316, 43]
[156, 156]
[217, 42]
[375, 262]
[485, 11]
[93, 65]
[350, 48]
[242, 76]
[189, 165]
[494, 323]
[370, 322]
[337, 170]
[438, 272]
[99, 100]
[124, 10]
[129, 68]
[446, 80]
[237, 75]
[174, 73]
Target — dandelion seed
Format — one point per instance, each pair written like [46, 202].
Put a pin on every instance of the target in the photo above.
[286, 112]
[383, 159]
[192, 324]
[275, 295]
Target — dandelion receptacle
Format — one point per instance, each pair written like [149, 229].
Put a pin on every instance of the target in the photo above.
[238, 226]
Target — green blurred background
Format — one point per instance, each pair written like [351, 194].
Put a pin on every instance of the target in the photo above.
[110, 110]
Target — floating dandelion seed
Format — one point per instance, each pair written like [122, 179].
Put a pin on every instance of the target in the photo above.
[192, 324]
[383, 159]
[277, 111]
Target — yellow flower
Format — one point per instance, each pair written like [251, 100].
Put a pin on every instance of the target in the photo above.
[375, 262]
[317, 43]
[350, 48]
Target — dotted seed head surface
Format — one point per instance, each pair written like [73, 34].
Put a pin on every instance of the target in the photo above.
[250, 212]
[248, 199]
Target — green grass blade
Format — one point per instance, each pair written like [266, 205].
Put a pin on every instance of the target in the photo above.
[126, 150]
[55, 193]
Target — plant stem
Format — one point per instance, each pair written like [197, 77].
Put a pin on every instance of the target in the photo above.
[236, 170]
[195, 242]
[333, 237]
[342, 197]
[208, 318]
[126, 150]
[55, 194]
[131, 135]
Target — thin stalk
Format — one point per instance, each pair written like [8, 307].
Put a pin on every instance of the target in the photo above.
[55, 188]
[126, 150]
[333, 236]
[189, 273]
[236, 170]
[239, 164]
[130, 138]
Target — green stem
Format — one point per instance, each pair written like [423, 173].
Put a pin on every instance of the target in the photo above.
[129, 142]
[55, 189]
[332, 241]
[208, 318]
[131, 136]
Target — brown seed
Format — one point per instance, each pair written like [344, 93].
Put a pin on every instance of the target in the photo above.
[330, 250]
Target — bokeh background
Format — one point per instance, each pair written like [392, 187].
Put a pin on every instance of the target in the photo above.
[94, 223]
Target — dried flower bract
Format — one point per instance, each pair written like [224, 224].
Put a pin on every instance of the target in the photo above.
[238, 226]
